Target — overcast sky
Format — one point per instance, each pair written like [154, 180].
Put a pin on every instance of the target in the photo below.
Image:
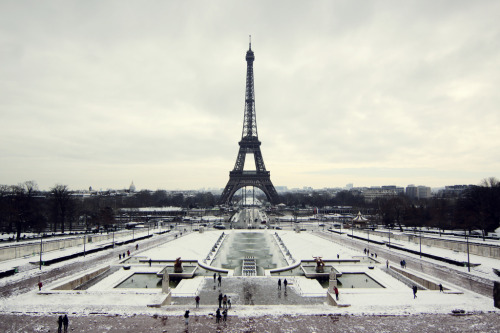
[103, 93]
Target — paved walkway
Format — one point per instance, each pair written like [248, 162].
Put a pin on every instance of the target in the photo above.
[250, 291]
[485, 322]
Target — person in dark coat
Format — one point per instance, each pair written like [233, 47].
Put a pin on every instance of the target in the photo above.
[279, 284]
[224, 315]
[285, 283]
[220, 300]
[217, 316]
[220, 280]
[440, 288]
[59, 324]
[65, 323]
[414, 292]
[215, 277]
[186, 317]
[197, 300]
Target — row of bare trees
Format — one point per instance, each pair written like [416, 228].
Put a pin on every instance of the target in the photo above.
[24, 208]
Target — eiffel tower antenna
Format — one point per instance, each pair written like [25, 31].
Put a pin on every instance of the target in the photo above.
[249, 144]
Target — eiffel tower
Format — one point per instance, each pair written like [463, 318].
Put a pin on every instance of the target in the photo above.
[249, 144]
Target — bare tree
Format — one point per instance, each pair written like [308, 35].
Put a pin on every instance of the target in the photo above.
[61, 200]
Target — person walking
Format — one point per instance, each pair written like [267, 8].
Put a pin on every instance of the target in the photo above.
[40, 285]
[217, 316]
[220, 300]
[279, 284]
[65, 323]
[224, 315]
[215, 277]
[229, 302]
[336, 290]
[220, 280]
[197, 300]
[186, 317]
[387, 263]
[440, 288]
[59, 324]
[224, 302]
[150, 261]
[285, 283]
[414, 292]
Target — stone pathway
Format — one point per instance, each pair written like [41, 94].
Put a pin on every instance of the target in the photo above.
[250, 291]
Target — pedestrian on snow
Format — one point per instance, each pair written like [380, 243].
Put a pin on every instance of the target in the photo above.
[220, 300]
[285, 283]
[229, 302]
[414, 292]
[375, 255]
[224, 315]
[123, 255]
[120, 256]
[215, 277]
[365, 250]
[128, 253]
[136, 247]
[197, 300]
[279, 284]
[336, 290]
[59, 324]
[387, 263]
[65, 323]
[440, 288]
[149, 262]
[186, 317]
[40, 285]
[338, 256]
[224, 301]
[217, 316]
[220, 280]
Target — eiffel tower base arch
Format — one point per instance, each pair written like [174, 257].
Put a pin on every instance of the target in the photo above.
[238, 180]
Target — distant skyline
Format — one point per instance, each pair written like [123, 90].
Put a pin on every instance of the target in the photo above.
[103, 93]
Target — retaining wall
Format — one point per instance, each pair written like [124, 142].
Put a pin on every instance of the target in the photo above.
[81, 280]
[33, 248]
[484, 250]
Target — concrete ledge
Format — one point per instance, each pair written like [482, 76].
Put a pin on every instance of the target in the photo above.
[330, 299]
[81, 280]
[424, 282]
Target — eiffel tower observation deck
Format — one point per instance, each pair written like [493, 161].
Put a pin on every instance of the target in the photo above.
[249, 144]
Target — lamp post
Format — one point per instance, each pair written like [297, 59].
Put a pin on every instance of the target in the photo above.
[41, 249]
[468, 257]
[420, 242]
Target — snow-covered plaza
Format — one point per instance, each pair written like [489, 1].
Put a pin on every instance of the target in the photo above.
[255, 297]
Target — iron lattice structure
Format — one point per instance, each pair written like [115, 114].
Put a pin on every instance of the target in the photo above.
[249, 144]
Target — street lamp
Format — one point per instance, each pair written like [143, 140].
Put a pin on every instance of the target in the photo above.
[420, 242]
[41, 249]
[468, 257]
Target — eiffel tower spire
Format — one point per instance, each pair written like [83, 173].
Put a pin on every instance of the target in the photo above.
[249, 144]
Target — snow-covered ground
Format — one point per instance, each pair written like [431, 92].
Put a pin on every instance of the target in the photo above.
[395, 299]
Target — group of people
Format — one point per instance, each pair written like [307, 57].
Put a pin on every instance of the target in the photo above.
[62, 321]
[120, 256]
[285, 283]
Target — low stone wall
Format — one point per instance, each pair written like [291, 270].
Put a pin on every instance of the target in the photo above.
[421, 281]
[484, 250]
[33, 248]
[81, 280]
